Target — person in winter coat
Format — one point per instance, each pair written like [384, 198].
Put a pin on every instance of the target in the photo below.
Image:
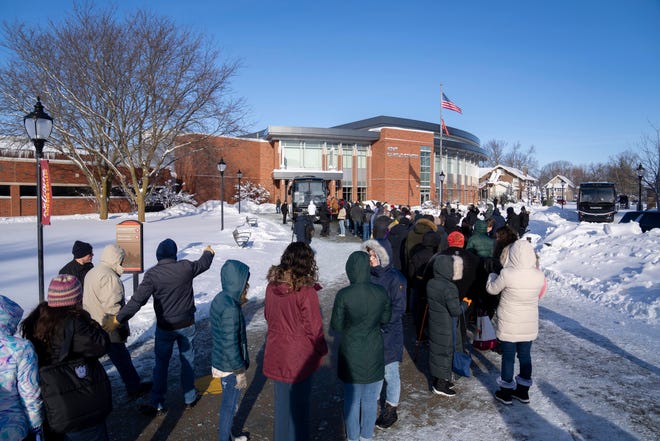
[366, 222]
[170, 283]
[498, 221]
[324, 219]
[278, 204]
[385, 275]
[20, 401]
[415, 235]
[356, 214]
[103, 295]
[295, 344]
[444, 305]
[397, 237]
[513, 220]
[302, 228]
[341, 220]
[81, 263]
[420, 256]
[230, 359]
[284, 208]
[358, 313]
[524, 221]
[61, 330]
[521, 284]
[479, 243]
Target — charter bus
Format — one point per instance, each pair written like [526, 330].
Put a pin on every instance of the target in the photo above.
[596, 201]
[304, 189]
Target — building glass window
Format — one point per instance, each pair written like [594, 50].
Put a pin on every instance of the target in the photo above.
[425, 168]
[302, 154]
[347, 164]
[362, 151]
[346, 193]
[362, 193]
[332, 149]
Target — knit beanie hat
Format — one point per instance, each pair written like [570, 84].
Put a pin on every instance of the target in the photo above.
[64, 290]
[456, 239]
[81, 249]
[166, 250]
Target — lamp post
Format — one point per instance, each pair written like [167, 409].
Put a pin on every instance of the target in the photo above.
[640, 175]
[38, 125]
[239, 175]
[563, 201]
[441, 179]
[221, 168]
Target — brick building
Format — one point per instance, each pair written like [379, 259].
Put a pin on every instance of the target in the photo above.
[383, 158]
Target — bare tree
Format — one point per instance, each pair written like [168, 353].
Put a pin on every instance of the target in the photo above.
[650, 160]
[520, 159]
[121, 93]
[495, 150]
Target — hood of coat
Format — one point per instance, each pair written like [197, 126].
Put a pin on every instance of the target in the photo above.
[382, 248]
[10, 315]
[431, 240]
[423, 225]
[357, 267]
[234, 276]
[112, 256]
[448, 267]
[480, 227]
[521, 255]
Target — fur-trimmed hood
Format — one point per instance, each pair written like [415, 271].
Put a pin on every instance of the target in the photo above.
[378, 245]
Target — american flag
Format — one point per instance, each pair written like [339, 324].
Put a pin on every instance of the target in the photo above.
[447, 104]
[444, 127]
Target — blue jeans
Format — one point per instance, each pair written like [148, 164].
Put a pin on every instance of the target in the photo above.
[228, 406]
[342, 227]
[292, 410]
[94, 433]
[366, 231]
[361, 398]
[120, 357]
[163, 348]
[392, 383]
[509, 350]
[357, 226]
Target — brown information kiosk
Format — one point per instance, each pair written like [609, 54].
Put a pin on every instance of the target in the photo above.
[129, 238]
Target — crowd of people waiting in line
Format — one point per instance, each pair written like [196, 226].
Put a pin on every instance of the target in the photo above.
[439, 269]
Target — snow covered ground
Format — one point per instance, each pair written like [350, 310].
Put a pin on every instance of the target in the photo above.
[596, 362]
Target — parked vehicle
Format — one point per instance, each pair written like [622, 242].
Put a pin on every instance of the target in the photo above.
[596, 201]
[304, 189]
[647, 220]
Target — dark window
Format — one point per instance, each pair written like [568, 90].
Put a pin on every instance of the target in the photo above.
[4, 190]
[28, 190]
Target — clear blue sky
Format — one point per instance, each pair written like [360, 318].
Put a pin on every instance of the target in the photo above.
[578, 79]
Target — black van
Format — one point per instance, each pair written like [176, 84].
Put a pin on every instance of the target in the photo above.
[596, 201]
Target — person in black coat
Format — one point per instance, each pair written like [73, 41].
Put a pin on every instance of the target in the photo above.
[513, 220]
[498, 221]
[284, 208]
[420, 255]
[170, 283]
[324, 218]
[302, 228]
[81, 263]
[524, 221]
[397, 237]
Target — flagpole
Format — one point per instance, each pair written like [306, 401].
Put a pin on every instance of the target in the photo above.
[440, 186]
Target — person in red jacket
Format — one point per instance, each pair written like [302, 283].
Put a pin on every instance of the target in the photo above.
[295, 344]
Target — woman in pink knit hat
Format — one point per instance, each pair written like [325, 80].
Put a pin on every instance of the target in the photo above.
[65, 336]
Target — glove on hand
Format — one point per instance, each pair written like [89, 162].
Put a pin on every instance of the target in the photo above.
[110, 323]
[241, 381]
[209, 249]
[468, 301]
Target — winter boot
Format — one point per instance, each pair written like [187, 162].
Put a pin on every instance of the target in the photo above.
[504, 396]
[387, 417]
[521, 393]
[443, 387]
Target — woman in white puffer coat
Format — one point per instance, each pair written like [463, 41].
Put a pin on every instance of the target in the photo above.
[520, 284]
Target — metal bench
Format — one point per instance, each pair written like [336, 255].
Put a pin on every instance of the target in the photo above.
[242, 235]
[252, 221]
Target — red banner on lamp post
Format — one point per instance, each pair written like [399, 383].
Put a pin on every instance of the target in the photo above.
[46, 194]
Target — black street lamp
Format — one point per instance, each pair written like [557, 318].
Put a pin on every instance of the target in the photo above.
[563, 201]
[38, 125]
[640, 175]
[441, 179]
[221, 168]
[239, 174]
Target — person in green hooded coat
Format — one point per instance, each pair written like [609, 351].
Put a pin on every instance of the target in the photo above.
[359, 312]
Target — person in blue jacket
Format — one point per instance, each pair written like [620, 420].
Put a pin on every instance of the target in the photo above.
[229, 359]
[384, 274]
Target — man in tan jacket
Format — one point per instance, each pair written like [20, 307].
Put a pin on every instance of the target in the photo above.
[104, 294]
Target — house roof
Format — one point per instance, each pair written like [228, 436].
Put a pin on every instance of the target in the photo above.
[495, 173]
